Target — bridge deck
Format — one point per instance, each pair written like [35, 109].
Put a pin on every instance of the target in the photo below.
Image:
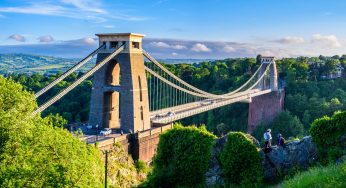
[187, 110]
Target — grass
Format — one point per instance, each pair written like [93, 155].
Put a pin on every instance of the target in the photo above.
[332, 176]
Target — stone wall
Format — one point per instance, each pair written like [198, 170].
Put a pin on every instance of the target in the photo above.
[264, 108]
[140, 145]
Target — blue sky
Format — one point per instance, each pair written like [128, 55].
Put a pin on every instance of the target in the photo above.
[177, 28]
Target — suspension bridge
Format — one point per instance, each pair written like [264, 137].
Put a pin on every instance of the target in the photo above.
[134, 95]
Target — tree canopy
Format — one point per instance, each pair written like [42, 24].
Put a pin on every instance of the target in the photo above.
[34, 153]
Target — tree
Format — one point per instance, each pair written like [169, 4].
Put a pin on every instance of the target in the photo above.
[56, 120]
[33, 153]
[330, 66]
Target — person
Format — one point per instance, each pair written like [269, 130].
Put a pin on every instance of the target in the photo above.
[281, 141]
[267, 138]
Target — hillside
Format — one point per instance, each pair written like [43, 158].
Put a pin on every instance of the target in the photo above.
[29, 64]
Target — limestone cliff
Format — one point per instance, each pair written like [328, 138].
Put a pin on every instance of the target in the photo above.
[280, 161]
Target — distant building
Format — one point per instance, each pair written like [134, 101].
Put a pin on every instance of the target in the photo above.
[338, 73]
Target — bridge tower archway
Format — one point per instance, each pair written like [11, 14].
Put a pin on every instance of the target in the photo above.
[119, 97]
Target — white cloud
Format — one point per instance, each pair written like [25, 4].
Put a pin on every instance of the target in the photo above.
[87, 5]
[166, 45]
[95, 19]
[35, 9]
[159, 2]
[46, 38]
[160, 44]
[291, 40]
[90, 10]
[174, 54]
[178, 47]
[199, 47]
[228, 49]
[17, 37]
[109, 26]
[89, 40]
[329, 40]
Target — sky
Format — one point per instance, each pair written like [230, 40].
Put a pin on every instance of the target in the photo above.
[177, 28]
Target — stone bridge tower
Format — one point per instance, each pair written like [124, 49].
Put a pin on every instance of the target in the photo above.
[264, 108]
[119, 97]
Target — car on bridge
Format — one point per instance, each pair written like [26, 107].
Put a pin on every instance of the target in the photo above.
[207, 102]
[170, 114]
[106, 131]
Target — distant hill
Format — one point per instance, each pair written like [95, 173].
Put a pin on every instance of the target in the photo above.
[178, 61]
[30, 64]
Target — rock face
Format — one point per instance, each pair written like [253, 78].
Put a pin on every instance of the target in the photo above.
[280, 161]
[213, 175]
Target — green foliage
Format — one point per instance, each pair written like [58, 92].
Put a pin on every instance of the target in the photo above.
[328, 133]
[285, 123]
[36, 154]
[241, 161]
[182, 157]
[56, 120]
[331, 176]
[142, 167]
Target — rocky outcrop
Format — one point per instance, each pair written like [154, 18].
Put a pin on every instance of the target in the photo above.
[280, 161]
[295, 155]
[213, 175]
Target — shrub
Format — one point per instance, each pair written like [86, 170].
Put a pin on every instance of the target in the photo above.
[329, 136]
[240, 160]
[142, 167]
[182, 158]
[331, 176]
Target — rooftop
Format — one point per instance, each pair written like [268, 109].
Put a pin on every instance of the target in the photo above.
[119, 34]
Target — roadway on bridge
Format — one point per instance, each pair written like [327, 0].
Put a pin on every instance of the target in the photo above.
[169, 115]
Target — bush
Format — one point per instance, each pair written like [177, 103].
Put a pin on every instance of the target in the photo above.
[240, 160]
[285, 123]
[182, 157]
[331, 176]
[142, 167]
[329, 136]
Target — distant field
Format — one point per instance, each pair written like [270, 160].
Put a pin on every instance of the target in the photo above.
[32, 64]
[46, 67]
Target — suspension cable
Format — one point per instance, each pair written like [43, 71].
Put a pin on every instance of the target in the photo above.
[68, 72]
[209, 95]
[78, 81]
